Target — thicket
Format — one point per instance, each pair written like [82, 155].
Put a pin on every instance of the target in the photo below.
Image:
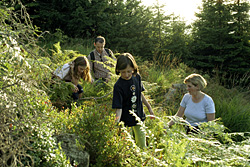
[29, 122]
[25, 130]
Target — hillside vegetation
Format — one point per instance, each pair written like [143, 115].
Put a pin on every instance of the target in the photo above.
[29, 121]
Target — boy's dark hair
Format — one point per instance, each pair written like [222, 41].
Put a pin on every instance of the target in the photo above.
[100, 39]
[123, 61]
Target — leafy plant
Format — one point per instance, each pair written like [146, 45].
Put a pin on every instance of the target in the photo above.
[232, 107]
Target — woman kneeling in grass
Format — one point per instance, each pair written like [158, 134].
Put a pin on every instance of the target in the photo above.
[197, 106]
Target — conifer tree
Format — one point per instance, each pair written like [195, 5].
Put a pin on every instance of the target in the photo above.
[221, 38]
[239, 61]
[210, 35]
[160, 27]
[177, 37]
[130, 28]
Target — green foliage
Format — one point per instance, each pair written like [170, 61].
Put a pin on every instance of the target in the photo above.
[164, 76]
[26, 136]
[25, 130]
[59, 41]
[60, 93]
[82, 46]
[29, 121]
[94, 125]
[232, 106]
[110, 145]
[161, 79]
[221, 38]
[45, 151]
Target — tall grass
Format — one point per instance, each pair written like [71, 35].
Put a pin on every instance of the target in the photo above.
[83, 46]
[232, 106]
[80, 45]
[164, 75]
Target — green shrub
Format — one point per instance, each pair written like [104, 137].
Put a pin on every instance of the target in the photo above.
[109, 145]
[60, 93]
[232, 107]
[25, 130]
[45, 151]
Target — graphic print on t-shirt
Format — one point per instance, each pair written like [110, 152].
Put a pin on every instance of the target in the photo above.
[133, 98]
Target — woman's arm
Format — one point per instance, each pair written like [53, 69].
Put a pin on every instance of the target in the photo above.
[144, 100]
[180, 113]
[74, 80]
[211, 117]
[210, 110]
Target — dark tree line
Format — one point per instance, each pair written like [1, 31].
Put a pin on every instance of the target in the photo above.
[127, 25]
[219, 38]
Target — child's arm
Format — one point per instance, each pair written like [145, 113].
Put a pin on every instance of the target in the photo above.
[118, 115]
[144, 100]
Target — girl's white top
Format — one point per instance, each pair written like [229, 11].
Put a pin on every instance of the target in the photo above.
[62, 71]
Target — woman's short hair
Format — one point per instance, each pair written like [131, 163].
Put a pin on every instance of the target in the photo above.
[196, 79]
[123, 61]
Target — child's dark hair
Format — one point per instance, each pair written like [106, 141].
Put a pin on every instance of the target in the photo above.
[123, 61]
[100, 39]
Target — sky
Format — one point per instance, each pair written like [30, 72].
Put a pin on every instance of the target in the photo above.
[183, 8]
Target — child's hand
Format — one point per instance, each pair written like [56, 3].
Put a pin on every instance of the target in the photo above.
[151, 116]
[75, 89]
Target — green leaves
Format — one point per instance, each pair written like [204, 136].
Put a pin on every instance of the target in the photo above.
[221, 38]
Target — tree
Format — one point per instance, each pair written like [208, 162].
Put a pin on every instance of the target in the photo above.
[130, 28]
[239, 38]
[160, 27]
[177, 40]
[210, 36]
[221, 38]
[70, 16]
